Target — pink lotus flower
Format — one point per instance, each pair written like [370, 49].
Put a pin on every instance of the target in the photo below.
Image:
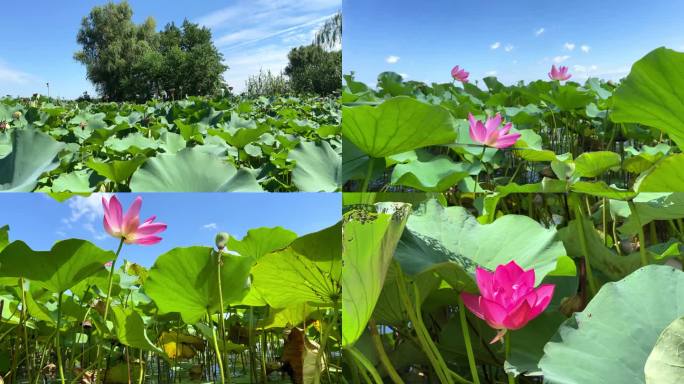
[128, 227]
[560, 73]
[508, 298]
[489, 133]
[459, 74]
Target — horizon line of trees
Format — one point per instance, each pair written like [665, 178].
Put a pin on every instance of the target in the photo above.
[135, 62]
[127, 62]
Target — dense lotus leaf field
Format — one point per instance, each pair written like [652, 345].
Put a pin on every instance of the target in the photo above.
[194, 144]
[604, 138]
[557, 288]
[262, 308]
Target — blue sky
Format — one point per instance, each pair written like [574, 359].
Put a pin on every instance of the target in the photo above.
[514, 40]
[192, 218]
[39, 37]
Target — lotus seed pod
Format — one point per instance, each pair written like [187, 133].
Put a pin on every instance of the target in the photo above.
[221, 240]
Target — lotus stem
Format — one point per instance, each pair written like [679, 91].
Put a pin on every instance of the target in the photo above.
[325, 334]
[466, 338]
[222, 326]
[477, 177]
[380, 349]
[369, 174]
[363, 361]
[642, 237]
[98, 355]
[423, 336]
[507, 348]
[584, 247]
[216, 347]
[58, 339]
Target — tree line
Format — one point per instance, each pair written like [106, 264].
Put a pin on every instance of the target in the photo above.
[135, 62]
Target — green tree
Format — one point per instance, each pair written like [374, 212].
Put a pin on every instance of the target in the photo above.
[114, 50]
[312, 69]
[126, 61]
[191, 64]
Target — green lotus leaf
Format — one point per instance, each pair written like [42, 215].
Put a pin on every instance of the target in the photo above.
[317, 168]
[430, 173]
[665, 364]
[307, 271]
[33, 154]
[611, 339]
[663, 176]
[436, 235]
[191, 170]
[261, 241]
[369, 243]
[651, 94]
[397, 125]
[593, 164]
[116, 170]
[130, 329]
[185, 280]
[60, 268]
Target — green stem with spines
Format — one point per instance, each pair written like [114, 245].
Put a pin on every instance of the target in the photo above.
[466, 338]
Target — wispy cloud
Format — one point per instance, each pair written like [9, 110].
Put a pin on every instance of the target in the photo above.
[13, 76]
[258, 34]
[569, 46]
[247, 62]
[508, 48]
[210, 226]
[85, 212]
[392, 59]
[585, 48]
[496, 45]
[560, 59]
[539, 31]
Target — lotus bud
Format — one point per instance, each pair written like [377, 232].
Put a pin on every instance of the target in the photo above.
[221, 240]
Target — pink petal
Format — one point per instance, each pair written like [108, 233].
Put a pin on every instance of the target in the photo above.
[148, 240]
[494, 314]
[472, 302]
[485, 281]
[503, 131]
[109, 229]
[507, 141]
[113, 211]
[493, 123]
[518, 317]
[542, 297]
[150, 229]
[477, 131]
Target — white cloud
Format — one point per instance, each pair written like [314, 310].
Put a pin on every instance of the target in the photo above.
[569, 46]
[496, 45]
[258, 34]
[560, 59]
[585, 48]
[392, 59]
[508, 48]
[539, 32]
[491, 73]
[247, 62]
[13, 76]
[210, 226]
[86, 211]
